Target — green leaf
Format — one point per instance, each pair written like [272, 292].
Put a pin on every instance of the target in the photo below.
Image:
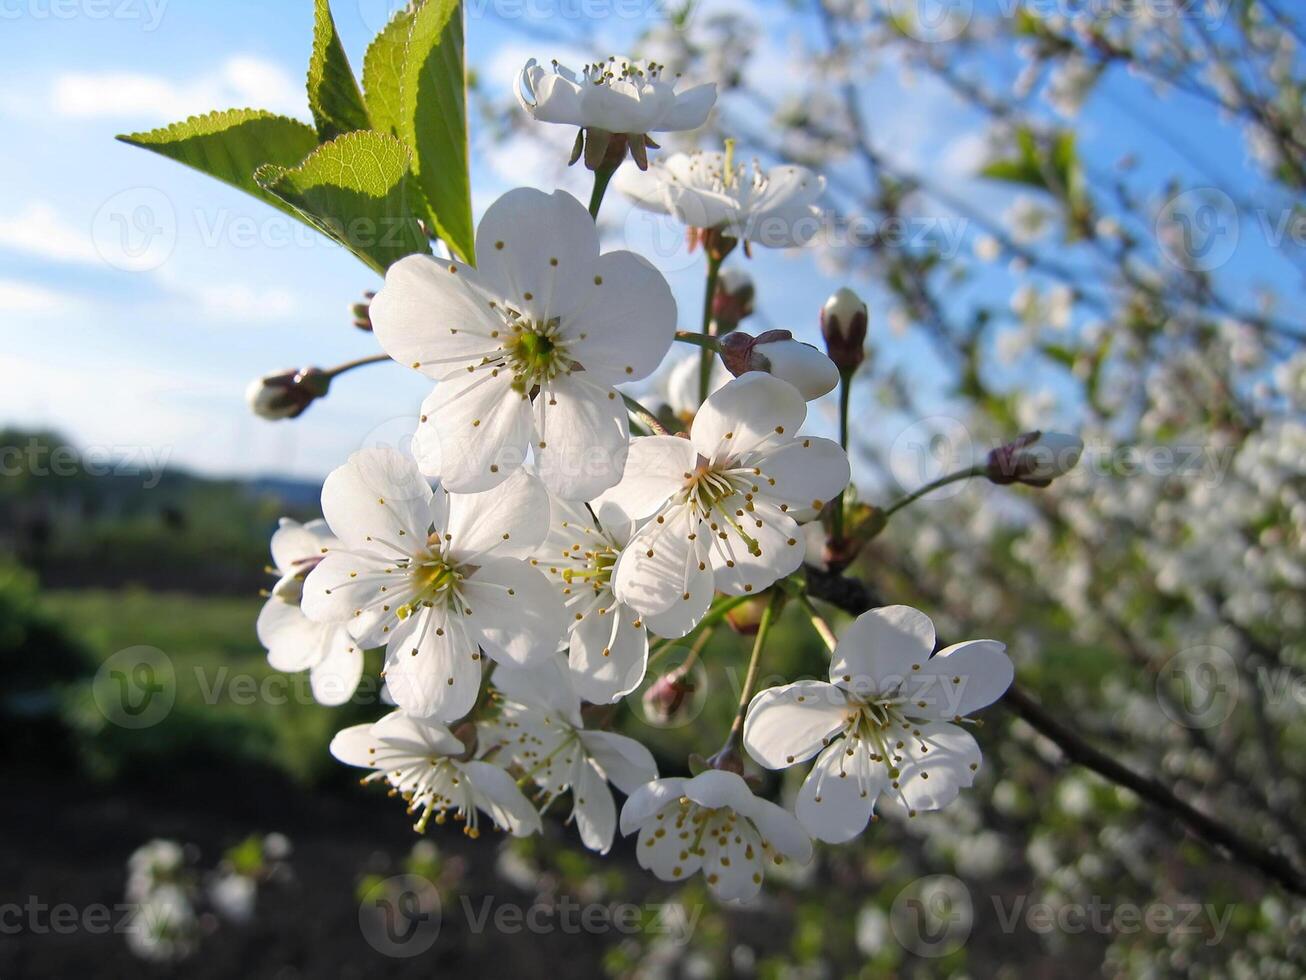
[333, 93]
[357, 190]
[433, 119]
[231, 145]
[383, 73]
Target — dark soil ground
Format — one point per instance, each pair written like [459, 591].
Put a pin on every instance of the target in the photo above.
[58, 850]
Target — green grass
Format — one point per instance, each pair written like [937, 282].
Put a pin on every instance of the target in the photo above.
[229, 705]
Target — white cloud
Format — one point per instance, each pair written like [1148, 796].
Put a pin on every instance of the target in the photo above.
[242, 81]
[238, 303]
[40, 230]
[28, 299]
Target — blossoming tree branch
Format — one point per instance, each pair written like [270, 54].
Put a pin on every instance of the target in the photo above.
[548, 536]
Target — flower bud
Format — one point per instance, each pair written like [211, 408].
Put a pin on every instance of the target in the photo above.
[843, 324]
[733, 299]
[363, 311]
[287, 393]
[667, 695]
[776, 352]
[1035, 458]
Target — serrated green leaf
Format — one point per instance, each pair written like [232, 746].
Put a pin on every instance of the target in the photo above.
[333, 93]
[356, 189]
[383, 74]
[231, 145]
[433, 119]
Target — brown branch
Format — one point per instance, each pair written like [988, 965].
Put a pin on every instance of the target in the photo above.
[854, 596]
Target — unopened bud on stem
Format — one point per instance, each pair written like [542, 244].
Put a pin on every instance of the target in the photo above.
[286, 394]
[776, 352]
[1035, 458]
[363, 311]
[667, 695]
[843, 324]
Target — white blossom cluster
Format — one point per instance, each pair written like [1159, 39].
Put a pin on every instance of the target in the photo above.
[518, 564]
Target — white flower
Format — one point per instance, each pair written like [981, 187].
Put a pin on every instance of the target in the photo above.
[539, 727]
[418, 760]
[608, 642]
[775, 208]
[618, 96]
[527, 346]
[882, 725]
[712, 823]
[163, 926]
[722, 504]
[293, 641]
[435, 577]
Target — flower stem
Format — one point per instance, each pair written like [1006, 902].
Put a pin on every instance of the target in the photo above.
[698, 340]
[642, 414]
[705, 361]
[845, 399]
[819, 624]
[717, 613]
[602, 177]
[942, 481]
[750, 679]
[340, 369]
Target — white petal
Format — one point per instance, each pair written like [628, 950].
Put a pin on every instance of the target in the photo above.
[670, 856]
[626, 763]
[715, 788]
[291, 639]
[484, 427]
[655, 470]
[837, 798]
[378, 498]
[353, 746]
[782, 830]
[434, 320]
[774, 549]
[625, 320]
[788, 725]
[643, 187]
[549, 97]
[335, 678]
[497, 794]
[518, 241]
[593, 809]
[655, 570]
[516, 614]
[511, 520]
[690, 110]
[807, 471]
[937, 764]
[546, 686]
[345, 587]
[959, 680]
[608, 653]
[582, 437]
[746, 413]
[734, 870]
[681, 617]
[882, 649]
[293, 542]
[647, 800]
[432, 667]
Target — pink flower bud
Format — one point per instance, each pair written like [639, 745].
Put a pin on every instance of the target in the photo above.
[777, 353]
[843, 325]
[733, 300]
[1035, 458]
[667, 695]
[286, 394]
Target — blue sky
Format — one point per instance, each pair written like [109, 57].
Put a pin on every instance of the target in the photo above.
[155, 351]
